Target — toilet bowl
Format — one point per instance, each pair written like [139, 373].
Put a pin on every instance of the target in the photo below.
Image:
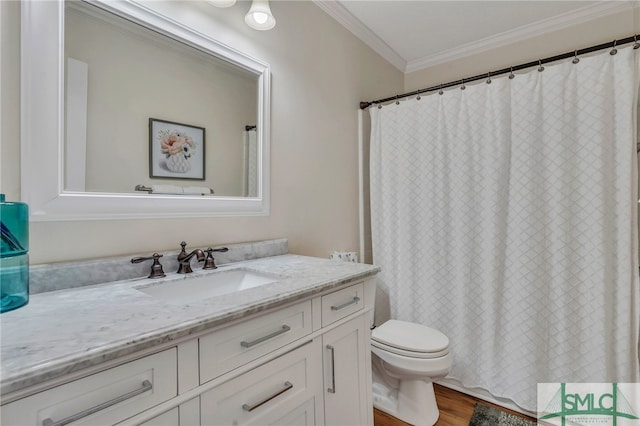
[406, 359]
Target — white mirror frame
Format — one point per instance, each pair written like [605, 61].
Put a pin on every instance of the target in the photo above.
[42, 130]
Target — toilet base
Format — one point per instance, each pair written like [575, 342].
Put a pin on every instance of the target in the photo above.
[414, 402]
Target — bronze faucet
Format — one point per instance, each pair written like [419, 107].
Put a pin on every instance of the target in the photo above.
[156, 268]
[210, 263]
[184, 259]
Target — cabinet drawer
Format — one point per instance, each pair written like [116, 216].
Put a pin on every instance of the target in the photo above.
[234, 346]
[269, 393]
[342, 303]
[103, 398]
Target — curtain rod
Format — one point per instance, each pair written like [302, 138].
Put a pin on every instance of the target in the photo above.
[612, 44]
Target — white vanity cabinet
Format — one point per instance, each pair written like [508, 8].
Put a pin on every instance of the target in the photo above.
[325, 378]
[305, 363]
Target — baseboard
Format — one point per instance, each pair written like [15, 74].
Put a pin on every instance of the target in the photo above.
[485, 396]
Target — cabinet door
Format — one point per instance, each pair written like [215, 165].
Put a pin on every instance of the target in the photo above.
[347, 372]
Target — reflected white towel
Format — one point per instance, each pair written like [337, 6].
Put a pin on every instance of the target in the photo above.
[200, 190]
[167, 189]
[179, 190]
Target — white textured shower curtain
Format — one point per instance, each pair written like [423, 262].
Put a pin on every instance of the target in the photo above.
[504, 215]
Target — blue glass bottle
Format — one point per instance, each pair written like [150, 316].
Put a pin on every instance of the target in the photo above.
[14, 257]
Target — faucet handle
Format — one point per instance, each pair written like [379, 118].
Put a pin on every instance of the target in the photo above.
[183, 251]
[209, 262]
[156, 267]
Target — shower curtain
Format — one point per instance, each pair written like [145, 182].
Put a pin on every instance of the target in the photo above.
[505, 215]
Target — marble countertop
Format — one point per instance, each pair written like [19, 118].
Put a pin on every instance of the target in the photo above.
[61, 332]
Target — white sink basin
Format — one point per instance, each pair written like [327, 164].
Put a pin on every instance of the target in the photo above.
[193, 288]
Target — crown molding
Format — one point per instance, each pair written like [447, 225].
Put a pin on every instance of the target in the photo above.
[347, 20]
[552, 24]
[603, 8]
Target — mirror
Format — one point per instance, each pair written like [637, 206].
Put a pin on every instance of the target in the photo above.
[118, 75]
[137, 100]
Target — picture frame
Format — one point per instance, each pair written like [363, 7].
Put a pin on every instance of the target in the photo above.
[176, 150]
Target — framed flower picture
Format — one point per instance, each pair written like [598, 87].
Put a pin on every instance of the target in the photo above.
[176, 150]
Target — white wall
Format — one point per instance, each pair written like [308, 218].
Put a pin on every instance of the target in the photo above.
[10, 96]
[320, 72]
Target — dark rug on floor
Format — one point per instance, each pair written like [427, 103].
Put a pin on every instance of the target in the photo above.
[484, 415]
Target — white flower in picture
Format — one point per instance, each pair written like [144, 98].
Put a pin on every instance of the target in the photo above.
[178, 148]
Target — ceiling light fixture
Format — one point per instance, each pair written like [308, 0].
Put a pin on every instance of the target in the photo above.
[259, 16]
[222, 3]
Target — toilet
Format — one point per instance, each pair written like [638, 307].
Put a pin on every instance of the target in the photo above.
[406, 359]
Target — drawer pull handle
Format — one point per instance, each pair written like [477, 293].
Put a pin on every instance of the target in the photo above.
[287, 386]
[146, 386]
[332, 389]
[353, 301]
[283, 330]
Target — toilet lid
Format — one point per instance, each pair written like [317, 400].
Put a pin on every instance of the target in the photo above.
[411, 354]
[409, 336]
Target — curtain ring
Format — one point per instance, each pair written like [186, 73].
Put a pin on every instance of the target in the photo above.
[540, 67]
[463, 86]
[511, 74]
[441, 92]
[488, 78]
[418, 97]
[636, 44]
[613, 49]
[397, 101]
[575, 57]
[379, 106]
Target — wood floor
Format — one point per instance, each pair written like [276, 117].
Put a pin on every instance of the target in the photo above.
[456, 409]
